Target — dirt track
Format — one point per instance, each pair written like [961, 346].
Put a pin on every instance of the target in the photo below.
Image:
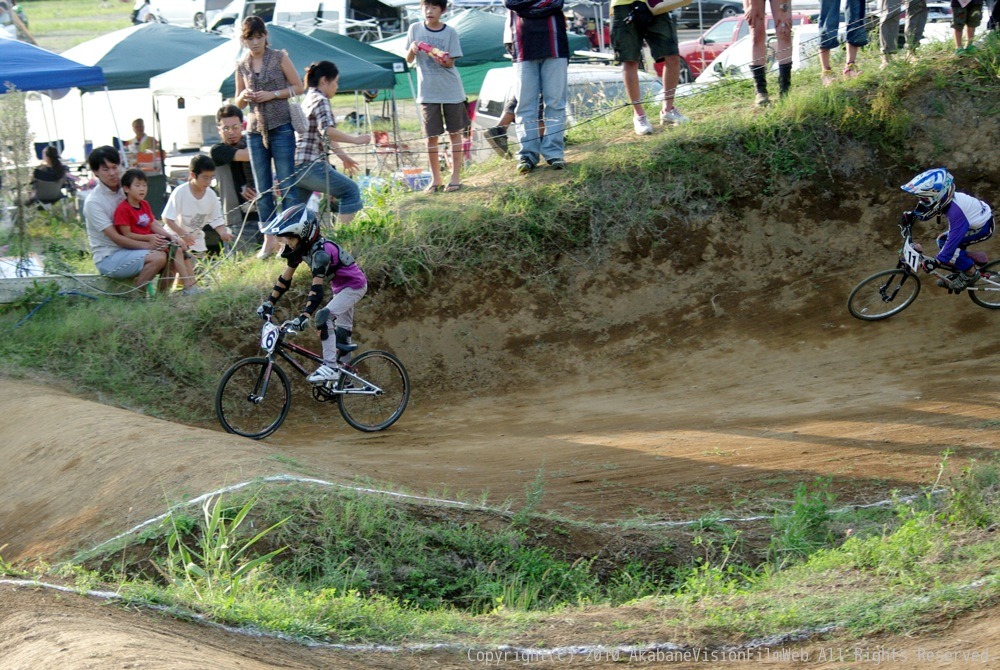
[712, 373]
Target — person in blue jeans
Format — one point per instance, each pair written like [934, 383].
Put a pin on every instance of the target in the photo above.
[266, 79]
[540, 50]
[829, 26]
[313, 171]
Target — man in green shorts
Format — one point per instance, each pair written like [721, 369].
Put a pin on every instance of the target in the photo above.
[632, 24]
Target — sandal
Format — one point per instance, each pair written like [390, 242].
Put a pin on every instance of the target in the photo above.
[434, 188]
[451, 188]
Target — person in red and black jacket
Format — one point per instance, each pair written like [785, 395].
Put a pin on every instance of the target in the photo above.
[540, 51]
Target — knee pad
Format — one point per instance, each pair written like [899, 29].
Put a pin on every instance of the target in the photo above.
[343, 336]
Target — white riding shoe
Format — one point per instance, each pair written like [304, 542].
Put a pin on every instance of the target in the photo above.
[323, 374]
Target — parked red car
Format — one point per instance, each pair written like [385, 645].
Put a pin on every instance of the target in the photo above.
[697, 54]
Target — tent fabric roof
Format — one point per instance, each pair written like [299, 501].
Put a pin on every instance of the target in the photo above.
[214, 71]
[364, 51]
[31, 68]
[132, 56]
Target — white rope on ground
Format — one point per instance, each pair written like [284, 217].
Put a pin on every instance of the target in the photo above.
[292, 479]
[656, 651]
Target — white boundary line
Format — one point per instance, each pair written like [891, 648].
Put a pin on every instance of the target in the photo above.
[292, 479]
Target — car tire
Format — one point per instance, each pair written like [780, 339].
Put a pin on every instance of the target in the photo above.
[728, 12]
[199, 21]
[685, 77]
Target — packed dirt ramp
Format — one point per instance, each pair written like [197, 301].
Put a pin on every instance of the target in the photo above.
[667, 380]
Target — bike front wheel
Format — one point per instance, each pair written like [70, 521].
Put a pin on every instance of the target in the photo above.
[253, 398]
[883, 294]
[379, 398]
[987, 291]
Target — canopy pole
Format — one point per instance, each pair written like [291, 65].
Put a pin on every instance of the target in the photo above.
[83, 123]
[118, 134]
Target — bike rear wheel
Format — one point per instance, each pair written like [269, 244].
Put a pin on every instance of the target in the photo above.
[253, 398]
[370, 411]
[986, 294]
[883, 294]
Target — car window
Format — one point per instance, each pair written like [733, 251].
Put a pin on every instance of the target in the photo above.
[586, 99]
[744, 30]
[721, 31]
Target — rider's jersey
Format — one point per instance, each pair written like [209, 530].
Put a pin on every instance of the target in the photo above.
[326, 259]
[966, 216]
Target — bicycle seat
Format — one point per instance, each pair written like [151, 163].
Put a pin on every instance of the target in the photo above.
[346, 347]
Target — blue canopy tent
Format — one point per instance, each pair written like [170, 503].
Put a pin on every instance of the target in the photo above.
[31, 68]
[27, 67]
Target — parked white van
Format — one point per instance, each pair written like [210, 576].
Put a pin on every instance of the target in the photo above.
[365, 20]
[188, 13]
[593, 89]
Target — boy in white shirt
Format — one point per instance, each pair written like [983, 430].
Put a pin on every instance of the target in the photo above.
[194, 205]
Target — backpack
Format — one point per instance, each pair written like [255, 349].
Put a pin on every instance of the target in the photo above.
[534, 9]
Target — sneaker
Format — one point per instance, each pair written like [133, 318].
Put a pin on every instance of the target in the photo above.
[826, 77]
[193, 290]
[761, 99]
[524, 166]
[959, 280]
[558, 164]
[971, 49]
[496, 137]
[851, 71]
[641, 125]
[324, 373]
[673, 116]
[885, 62]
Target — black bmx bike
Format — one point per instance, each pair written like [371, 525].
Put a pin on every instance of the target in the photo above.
[254, 395]
[889, 292]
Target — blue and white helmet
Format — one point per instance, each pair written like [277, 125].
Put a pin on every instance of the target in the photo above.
[934, 189]
[298, 220]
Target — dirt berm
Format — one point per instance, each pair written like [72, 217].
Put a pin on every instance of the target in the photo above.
[715, 366]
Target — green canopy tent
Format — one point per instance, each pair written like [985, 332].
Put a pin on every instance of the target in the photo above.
[362, 50]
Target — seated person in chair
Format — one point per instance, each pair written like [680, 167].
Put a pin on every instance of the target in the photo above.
[49, 179]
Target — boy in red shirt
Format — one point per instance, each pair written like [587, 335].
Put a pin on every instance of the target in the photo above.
[134, 218]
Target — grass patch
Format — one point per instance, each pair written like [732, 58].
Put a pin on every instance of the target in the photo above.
[355, 568]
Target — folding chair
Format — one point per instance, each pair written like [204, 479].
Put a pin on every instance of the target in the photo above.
[49, 194]
[390, 156]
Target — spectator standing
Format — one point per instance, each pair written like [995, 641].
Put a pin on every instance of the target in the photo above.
[782, 13]
[965, 16]
[266, 79]
[232, 168]
[313, 171]
[632, 24]
[435, 48]
[114, 254]
[888, 27]
[141, 11]
[829, 27]
[141, 141]
[540, 50]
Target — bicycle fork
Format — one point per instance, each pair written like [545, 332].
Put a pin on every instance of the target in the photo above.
[260, 388]
[884, 289]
